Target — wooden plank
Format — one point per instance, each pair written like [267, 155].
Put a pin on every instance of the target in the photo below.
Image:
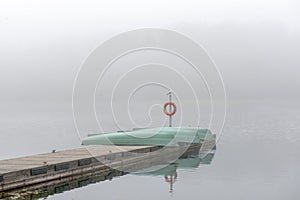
[40, 160]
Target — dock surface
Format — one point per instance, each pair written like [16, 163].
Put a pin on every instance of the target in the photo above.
[29, 170]
[41, 169]
[40, 160]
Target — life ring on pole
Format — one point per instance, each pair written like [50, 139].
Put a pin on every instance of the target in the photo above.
[171, 104]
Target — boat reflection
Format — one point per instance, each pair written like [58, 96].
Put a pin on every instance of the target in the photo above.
[170, 173]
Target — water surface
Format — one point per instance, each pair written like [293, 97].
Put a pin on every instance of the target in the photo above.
[257, 157]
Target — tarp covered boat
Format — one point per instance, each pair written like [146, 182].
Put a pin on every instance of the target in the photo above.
[164, 136]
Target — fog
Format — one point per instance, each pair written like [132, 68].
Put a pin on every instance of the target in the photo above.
[254, 44]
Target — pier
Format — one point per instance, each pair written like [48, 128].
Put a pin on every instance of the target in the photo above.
[43, 169]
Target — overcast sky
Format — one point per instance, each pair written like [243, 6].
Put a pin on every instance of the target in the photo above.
[255, 44]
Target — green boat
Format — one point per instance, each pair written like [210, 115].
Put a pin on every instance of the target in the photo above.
[164, 136]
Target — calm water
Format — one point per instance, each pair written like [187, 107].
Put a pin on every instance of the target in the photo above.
[257, 157]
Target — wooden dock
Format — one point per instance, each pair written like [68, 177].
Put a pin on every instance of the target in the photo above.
[42, 169]
[29, 170]
[24, 171]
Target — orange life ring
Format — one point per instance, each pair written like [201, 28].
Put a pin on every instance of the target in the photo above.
[171, 104]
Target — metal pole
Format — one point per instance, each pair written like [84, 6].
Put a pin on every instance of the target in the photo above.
[170, 109]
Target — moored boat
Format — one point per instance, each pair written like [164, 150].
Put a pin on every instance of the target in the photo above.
[164, 136]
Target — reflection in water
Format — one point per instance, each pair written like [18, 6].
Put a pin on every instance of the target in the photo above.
[168, 173]
[60, 186]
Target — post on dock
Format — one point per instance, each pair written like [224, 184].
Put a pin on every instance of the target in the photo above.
[170, 108]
